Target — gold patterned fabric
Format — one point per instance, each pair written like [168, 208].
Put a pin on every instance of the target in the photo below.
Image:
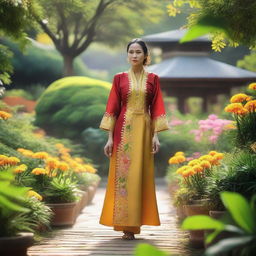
[160, 123]
[107, 122]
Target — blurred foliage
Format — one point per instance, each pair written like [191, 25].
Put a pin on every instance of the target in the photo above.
[37, 65]
[70, 105]
[15, 19]
[19, 93]
[74, 25]
[229, 22]
[248, 62]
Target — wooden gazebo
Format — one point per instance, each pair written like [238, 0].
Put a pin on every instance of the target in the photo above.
[187, 70]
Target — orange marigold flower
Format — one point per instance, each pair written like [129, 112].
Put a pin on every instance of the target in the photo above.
[197, 168]
[3, 160]
[212, 153]
[233, 107]
[179, 153]
[40, 155]
[205, 164]
[219, 156]
[173, 160]
[182, 169]
[21, 168]
[4, 115]
[32, 193]
[180, 159]
[39, 171]
[52, 163]
[229, 127]
[193, 162]
[252, 86]
[89, 168]
[250, 105]
[63, 166]
[25, 152]
[13, 160]
[186, 173]
[79, 160]
[240, 97]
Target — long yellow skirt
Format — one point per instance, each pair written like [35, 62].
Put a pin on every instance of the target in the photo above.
[139, 206]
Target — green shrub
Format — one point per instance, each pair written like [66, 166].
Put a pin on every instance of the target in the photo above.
[70, 105]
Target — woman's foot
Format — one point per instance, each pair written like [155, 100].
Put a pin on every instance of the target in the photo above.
[128, 235]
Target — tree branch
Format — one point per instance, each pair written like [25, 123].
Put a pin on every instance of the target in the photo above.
[89, 31]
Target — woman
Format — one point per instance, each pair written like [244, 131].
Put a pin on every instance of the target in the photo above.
[134, 114]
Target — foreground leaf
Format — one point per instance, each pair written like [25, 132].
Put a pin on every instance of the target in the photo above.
[240, 210]
[227, 245]
[148, 250]
[202, 222]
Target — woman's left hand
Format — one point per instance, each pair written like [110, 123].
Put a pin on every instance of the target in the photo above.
[155, 144]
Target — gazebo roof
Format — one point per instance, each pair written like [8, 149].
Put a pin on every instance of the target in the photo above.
[199, 67]
[171, 36]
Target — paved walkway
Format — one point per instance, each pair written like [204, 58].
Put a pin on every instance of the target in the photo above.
[88, 237]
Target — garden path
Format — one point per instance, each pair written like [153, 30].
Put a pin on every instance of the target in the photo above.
[88, 237]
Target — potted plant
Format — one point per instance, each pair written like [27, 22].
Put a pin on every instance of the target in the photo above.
[240, 224]
[14, 221]
[195, 177]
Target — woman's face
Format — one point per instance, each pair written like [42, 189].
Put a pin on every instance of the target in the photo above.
[136, 55]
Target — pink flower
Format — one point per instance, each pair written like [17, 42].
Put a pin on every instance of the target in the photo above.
[212, 117]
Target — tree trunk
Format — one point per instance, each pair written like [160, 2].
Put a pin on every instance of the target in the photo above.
[68, 69]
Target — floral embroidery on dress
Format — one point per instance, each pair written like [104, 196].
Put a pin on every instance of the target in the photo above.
[135, 103]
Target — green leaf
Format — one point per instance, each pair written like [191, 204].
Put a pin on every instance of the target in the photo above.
[5, 203]
[148, 250]
[240, 210]
[227, 245]
[205, 25]
[202, 222]
[210, 237]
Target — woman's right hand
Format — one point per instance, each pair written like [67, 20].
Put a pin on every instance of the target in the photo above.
[108, 148]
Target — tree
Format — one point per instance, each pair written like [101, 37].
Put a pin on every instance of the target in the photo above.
[74, 25]
[14, 20]
[229, 22]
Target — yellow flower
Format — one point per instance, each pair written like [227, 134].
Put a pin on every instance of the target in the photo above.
[207, 157]
[173, 160]
[186, 173]
[25, 152]
[3, 160]
[180, 159]
[89, 168]
[219, 156]
[13, 160]
[197, 168]
[21, 168]
[182, 169]
[205, 164]
[212, 153]
[252, 86]
[79, 160]
[40, 155]
[52, 163]
[229, 127]
[38, 171]
[193, 162]
[32, 193]
[172, 11]
[239, 98]
[250, 105]
[4, 115]
[179, 153]
[63, 166]
[234, 107]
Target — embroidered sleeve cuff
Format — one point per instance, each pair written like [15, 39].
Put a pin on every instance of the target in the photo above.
[107, 122]
[160, 123]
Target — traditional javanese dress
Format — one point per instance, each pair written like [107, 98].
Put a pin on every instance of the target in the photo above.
[134, 111]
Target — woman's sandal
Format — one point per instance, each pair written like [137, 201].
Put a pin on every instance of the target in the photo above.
[128, 235]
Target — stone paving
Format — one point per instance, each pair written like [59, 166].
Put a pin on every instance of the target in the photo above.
[88, 237]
